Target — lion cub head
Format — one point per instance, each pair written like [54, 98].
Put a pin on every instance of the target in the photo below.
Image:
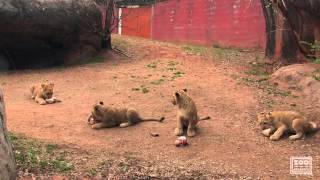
[265, 119]
[177, 96]
[97, 112]
[47, 90]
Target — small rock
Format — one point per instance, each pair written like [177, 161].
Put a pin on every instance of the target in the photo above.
[153, 134]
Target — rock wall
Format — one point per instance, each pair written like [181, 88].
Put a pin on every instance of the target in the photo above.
[47, 32]
[7, 161]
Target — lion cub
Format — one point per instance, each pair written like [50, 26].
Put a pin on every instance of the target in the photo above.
[107, 117]
[274, 124]
[43, 93]
[187, 116]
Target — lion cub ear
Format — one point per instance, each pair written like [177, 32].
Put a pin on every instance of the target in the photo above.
[177, 94]
[185, 89]
[101, 103]
[43, 85]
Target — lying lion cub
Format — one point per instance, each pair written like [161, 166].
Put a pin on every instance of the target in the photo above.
[107, 117]
[274, 124]
[43, 93]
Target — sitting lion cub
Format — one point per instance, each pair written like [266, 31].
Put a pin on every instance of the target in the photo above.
[43, 93]
[108, 117]
[274, 124]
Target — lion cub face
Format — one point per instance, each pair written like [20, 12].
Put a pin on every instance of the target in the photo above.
[177, 95]
[47, 90]
[265, 120]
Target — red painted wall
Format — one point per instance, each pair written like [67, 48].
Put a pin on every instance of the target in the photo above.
[137, 21]
[236, 23]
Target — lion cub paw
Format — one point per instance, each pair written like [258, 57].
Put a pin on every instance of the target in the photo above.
[42, 102]
[274, 138]
[178, 132]
[191, 132]
[266, 132]
[52, 100]
[96, 126]
[297, 136]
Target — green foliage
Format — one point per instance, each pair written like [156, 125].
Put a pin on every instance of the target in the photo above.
[316, 74]
[144, 89]
[314, 47]
[317, 61]
[221, 53]
[316, 77]
[171, 66]
[177, 74]
[37, 157]
[124, 3]
[157, 82]
[93, 172]
[152, 65]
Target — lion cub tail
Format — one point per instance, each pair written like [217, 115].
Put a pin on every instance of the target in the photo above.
[204, 118]
[152, 119]
[32, 88]
[314, 126]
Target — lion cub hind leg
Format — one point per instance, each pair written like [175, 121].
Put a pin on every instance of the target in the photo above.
[279, 132]
[99, 125]
[41, 101]
[126, 124]
[299, 135]
[298, 127]
[191, 129]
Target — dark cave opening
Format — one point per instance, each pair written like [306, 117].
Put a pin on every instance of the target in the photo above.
[31, 54]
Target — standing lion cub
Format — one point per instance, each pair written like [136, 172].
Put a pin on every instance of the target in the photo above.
[275, 124]
[43, 93]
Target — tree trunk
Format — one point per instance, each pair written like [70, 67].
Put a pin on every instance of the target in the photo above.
[270, 20]
[297, 23]
[7, 161]
[36, 32]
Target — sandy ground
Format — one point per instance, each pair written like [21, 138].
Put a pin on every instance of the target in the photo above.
[229, 145]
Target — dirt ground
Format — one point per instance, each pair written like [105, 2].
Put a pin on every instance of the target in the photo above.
[229, 146]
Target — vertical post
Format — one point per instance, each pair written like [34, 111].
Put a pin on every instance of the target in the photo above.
[120, 21]
[151, 19]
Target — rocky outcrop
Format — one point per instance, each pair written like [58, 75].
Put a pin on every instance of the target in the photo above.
[46, 32]
[300, 79]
